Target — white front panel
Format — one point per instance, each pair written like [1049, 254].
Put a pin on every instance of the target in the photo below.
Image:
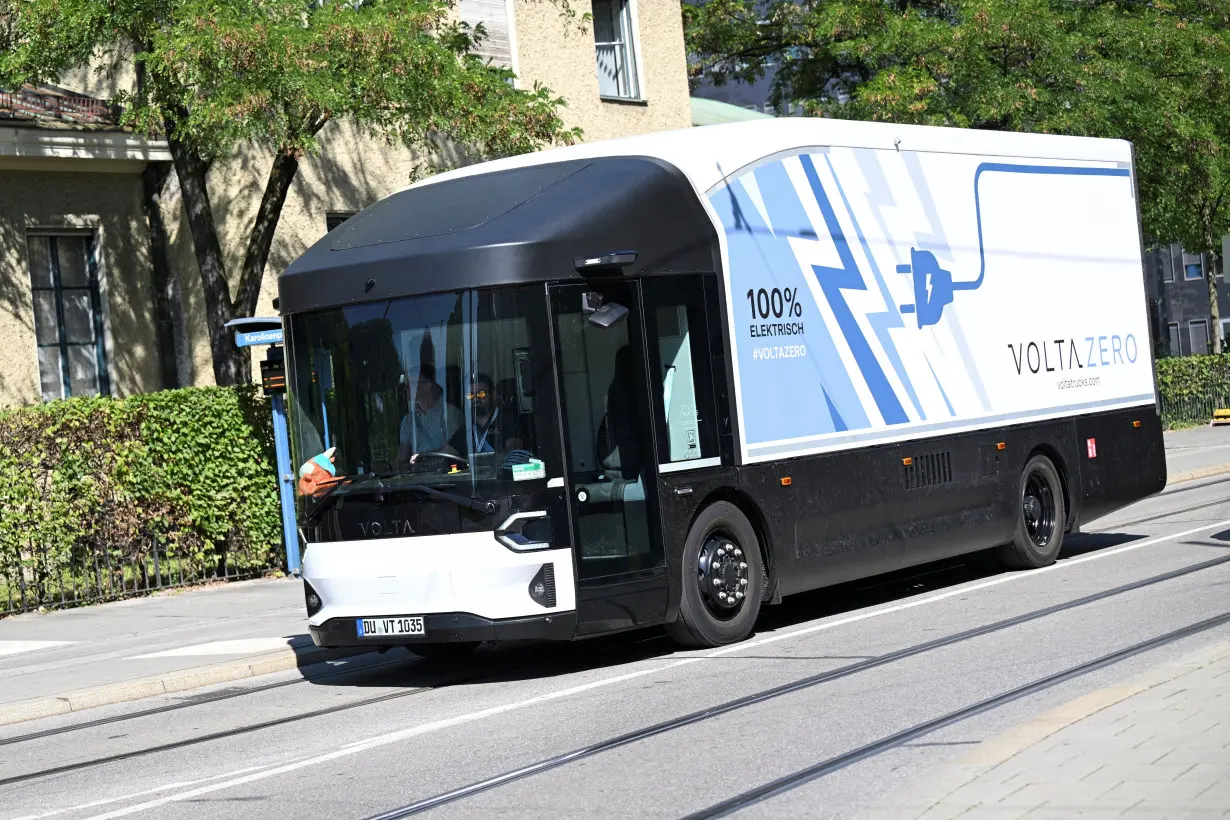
[467, 572]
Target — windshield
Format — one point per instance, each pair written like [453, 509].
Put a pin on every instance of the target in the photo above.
[452, 391]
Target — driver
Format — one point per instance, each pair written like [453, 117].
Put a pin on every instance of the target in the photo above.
[431, 422]
[489, 431]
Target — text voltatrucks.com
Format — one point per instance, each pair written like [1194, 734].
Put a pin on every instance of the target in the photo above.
[780, 352]
[1087, 381]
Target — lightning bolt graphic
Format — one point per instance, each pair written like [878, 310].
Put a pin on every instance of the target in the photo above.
[833, 281]
[879, 194]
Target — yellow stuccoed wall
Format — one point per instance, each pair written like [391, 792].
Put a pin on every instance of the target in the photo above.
[110, 205]
[561, 56]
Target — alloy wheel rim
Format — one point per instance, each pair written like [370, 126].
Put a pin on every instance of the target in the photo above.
[1039, 509]
[722, 576]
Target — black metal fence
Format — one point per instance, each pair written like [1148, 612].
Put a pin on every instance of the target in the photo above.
[1192, 410]
[35, 582]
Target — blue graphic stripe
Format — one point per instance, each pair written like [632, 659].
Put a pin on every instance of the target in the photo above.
[947, 403]
[889, 318]
[832, 282]
[1009, 168]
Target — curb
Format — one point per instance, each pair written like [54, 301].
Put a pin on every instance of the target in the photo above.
[172, 682]
[1194, 475]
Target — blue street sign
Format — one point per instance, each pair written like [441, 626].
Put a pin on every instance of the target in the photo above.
[259, 337]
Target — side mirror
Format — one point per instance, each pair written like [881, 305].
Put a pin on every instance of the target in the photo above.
[609, 315]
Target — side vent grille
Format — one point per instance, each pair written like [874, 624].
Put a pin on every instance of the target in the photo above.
[548, 575]
[542, 586]
[930, 470]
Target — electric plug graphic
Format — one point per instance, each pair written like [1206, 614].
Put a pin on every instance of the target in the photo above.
[932, 287]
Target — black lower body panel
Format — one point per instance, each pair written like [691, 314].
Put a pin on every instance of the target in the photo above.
[452, 627]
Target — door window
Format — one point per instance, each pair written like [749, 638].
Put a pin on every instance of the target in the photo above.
[682, 366]
[606, 421]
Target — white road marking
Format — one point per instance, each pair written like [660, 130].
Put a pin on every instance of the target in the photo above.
[17, 647]
[244, 646]
[165, 787]
[425, 728]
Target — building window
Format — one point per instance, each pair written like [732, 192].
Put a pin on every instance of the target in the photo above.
[1172, 330]
[1167, 267]
[614, 47]
[72, 359]
[1198, 335]
[334, 219]
[1193, 270]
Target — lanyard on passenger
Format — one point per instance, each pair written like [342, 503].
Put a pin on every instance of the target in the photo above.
[481, 442]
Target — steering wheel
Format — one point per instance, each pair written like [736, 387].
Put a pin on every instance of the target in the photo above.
[442, 456]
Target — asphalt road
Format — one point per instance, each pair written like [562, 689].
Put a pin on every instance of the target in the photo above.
[857, 664]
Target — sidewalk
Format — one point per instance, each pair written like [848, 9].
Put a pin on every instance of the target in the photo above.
[1156, 746]
[75, 659]
[1198, 452]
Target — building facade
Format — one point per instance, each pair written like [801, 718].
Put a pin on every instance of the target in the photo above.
[1178, 286]
[99, 287]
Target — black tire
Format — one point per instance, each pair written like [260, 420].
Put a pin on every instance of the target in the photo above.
[444, 651]
[1040, 519]
[703, 619]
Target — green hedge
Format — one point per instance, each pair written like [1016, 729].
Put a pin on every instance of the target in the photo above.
[182, 477]
[1192, 387]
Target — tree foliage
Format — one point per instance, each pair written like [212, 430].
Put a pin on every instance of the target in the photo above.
[218, 74]
[1154, 73]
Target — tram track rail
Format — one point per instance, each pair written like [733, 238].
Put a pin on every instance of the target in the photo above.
[801, 777]
[248, 728]
[557, 761]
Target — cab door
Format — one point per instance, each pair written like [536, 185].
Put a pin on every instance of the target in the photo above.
[609, 453]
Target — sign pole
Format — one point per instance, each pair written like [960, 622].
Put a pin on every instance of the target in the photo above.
[267, 332]
[281, 441]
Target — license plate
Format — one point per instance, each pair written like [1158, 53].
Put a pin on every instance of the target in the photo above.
[369, 627]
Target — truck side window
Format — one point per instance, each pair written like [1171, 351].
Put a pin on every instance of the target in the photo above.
[681, 362]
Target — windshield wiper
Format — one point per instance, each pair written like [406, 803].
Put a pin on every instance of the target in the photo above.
[484, 507]
[325, 502]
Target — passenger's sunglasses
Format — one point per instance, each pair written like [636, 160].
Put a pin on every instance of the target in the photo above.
[481, 394]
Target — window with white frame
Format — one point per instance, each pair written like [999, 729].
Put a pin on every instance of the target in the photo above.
[1172, 330]
[615, 49]
[1198, 335]
[68, 324]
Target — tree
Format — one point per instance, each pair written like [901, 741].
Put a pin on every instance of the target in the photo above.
[1184, 145]
[217, 74]
[1153, 73]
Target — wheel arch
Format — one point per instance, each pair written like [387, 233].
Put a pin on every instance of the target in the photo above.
[748, 506]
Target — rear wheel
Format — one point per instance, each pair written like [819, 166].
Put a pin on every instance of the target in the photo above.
[1041, 515]
[443, 651]
[722, 578]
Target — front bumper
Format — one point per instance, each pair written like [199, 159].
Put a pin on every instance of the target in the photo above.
[448, 627]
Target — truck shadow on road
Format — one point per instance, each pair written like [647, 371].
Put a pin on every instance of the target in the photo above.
[531, 661]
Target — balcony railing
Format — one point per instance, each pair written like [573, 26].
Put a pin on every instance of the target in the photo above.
[29, 103]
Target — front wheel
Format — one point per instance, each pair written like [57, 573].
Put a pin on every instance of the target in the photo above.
[723, 579]
[1041, 516]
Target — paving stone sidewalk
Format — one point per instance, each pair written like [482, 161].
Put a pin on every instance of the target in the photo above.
[1157, 746]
